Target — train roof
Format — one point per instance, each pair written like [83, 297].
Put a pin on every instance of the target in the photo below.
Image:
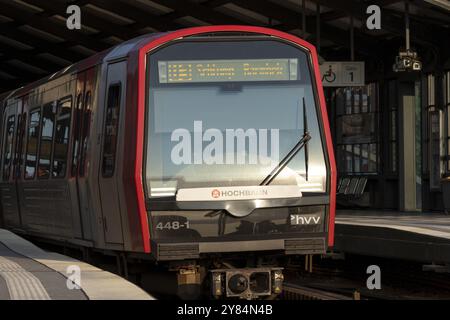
[132, 46]
[115, 52]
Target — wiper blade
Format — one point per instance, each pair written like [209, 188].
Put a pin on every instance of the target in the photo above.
[305, 130]
[302, 143]
[284, 162]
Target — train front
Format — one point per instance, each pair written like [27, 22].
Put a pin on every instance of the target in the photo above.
[237, 166]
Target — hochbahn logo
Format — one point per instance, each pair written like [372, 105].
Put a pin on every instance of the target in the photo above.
[226, 146]
[215, 193]
[238, 193]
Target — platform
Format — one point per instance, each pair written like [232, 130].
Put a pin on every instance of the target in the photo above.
[423, 237]
[30, 273]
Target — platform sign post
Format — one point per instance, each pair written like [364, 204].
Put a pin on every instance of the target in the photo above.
[342, 73]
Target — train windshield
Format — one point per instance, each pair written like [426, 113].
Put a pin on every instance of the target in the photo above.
[224, 113]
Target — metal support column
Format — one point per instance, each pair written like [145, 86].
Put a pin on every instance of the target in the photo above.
[407, 143]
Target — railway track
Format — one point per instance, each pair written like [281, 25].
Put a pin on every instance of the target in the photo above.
[293, 291]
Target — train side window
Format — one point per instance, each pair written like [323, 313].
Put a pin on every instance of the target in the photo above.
[21, 125]
[8, 145]
[76, 134]
[446, 125]
[62, 134]
[32, 143]
[85, 132]
[111, 130]
[45, 147]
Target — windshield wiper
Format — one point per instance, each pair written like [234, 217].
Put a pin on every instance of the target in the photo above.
[302, 143]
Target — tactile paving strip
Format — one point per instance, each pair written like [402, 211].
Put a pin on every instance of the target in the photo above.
[53, 272]
[26, 279]
[22, 285]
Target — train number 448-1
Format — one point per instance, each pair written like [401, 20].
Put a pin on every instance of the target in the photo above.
[172, 225]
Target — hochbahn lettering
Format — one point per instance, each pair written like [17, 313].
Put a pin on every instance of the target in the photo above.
[238, 193]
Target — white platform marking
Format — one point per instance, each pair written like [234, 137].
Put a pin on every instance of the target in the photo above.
[22, 284]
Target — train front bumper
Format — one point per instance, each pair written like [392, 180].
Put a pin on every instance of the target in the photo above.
[165, 251]
[181, 235]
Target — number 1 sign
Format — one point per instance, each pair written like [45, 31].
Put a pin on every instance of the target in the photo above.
[342, 73]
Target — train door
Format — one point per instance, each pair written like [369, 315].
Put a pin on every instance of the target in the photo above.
[108, 174]
[73, 179]
[8, 186]
[18, 157]
[84, 155]
[81, 132]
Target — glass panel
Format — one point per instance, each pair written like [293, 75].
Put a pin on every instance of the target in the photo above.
[8, 146]
[447, 124]
[32, 144]
[340, 101]
[76, 134]
[359, 129]
[357, 158]
[372, 91]
[365, 101]
[45, 149]
[348, 101]
[356, 100]
[435, 161]
[394, 125]
[342, 158]
[448, 87]
[85, 132]
[373, 157]
[62, 135]
[349, 158]
[365, 158]
[448, 120]
[448, 154]
[111, 128]
[214, 111]
[448, 150]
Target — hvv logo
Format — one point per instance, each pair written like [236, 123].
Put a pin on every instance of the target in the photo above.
[237, 146]
[297, 219]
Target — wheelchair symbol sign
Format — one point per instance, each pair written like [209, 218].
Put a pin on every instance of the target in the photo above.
[342, 73]
[329, 76]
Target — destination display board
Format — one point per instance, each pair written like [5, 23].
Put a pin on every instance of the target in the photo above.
[194, 71]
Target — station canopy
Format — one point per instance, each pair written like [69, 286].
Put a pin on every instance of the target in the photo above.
[35, 42]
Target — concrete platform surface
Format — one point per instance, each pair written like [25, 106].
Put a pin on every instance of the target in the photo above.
[431, 224]
[29, 273]
[423, 237]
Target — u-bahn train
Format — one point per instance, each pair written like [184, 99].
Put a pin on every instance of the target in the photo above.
[191, 148]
